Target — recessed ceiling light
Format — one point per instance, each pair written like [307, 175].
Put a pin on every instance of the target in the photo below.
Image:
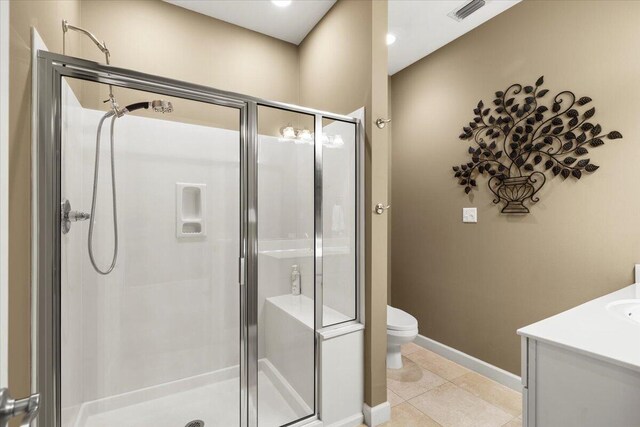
[391, 39]
[281, 3]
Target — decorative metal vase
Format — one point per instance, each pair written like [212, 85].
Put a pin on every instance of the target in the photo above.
[514, 191]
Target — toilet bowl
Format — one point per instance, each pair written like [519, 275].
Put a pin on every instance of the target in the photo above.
[402, 328]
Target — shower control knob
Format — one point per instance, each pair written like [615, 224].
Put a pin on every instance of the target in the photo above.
[67, 216]
[78, 216]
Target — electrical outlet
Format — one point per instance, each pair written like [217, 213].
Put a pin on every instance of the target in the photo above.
[469, 214]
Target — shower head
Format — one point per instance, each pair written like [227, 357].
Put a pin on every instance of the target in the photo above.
[158, 105]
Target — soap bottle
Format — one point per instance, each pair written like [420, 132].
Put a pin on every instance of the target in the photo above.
[295, 280]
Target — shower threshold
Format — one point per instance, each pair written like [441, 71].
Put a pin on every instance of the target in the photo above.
[212, 397]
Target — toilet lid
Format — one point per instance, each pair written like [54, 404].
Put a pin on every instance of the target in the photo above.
[398, 320]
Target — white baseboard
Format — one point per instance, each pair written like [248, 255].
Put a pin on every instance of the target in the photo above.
[483, 368]
[377, 415]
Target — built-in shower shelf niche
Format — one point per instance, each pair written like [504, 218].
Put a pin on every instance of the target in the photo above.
[190, 210]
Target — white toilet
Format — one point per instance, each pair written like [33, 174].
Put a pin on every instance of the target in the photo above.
[402, 328]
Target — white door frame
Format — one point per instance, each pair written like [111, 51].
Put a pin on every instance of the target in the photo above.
[4, 193]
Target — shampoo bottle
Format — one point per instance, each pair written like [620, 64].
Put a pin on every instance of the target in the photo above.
[295, 280]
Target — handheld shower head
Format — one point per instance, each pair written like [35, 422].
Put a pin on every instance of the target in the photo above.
[158, 105]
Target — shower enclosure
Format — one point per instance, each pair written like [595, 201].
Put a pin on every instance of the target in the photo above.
[236, 225]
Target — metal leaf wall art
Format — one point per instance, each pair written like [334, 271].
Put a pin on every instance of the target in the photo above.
[519, 140]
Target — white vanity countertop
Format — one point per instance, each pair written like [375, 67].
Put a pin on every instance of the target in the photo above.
[594, 330]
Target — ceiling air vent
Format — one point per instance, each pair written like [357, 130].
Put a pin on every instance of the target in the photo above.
[463, 12]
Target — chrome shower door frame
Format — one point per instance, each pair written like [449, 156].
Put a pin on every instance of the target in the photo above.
[46, 336]
[46, 327]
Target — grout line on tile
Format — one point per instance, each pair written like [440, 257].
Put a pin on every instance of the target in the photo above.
[464, 392]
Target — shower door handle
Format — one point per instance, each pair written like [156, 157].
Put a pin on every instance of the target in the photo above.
[10, 408]
[241, 272]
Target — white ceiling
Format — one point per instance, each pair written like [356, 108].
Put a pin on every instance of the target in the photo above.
[421, 26]
[291, 23]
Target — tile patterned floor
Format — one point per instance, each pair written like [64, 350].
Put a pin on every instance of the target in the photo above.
[431, 391]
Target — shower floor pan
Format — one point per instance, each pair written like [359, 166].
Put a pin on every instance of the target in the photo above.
[212, 398]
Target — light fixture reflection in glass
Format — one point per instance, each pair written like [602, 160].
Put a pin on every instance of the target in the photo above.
[305, 135]
[281, 3]
[332, 141]
[391, 39]
[288, 132]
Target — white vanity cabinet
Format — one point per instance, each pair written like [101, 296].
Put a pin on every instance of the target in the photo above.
[581, 368]
[564, 388]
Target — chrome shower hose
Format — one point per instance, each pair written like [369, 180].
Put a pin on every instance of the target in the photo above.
[95, 194]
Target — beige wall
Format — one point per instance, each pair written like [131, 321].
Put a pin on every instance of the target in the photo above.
[343, 66]
[472, 285]
[46, 16]
[148, 36]
[390, 188]
[335, 59]
[376, 191]
[159, 38]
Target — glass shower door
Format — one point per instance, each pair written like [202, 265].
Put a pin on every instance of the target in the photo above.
[155, 341]
[286, 270]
